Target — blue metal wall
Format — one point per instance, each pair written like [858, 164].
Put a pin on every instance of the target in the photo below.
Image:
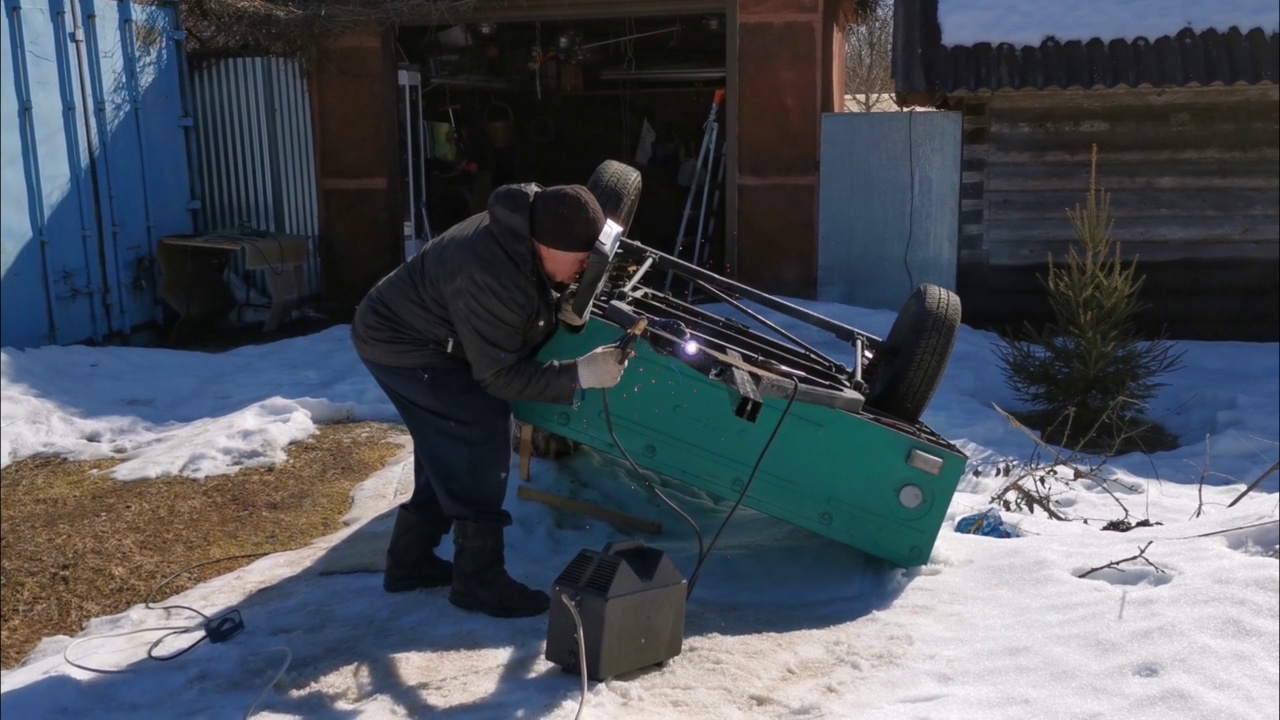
[95, 167]
[889, 205]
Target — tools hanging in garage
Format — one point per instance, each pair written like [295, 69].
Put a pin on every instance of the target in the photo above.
[414, 144]
[548, 98]
[708, 165]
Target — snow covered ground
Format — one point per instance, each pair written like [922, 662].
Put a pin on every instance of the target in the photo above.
[783, 623]
[968, 22]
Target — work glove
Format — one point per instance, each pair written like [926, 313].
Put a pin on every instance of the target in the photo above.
[601, 368]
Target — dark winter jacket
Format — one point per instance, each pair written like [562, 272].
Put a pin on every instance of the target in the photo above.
[481, 285]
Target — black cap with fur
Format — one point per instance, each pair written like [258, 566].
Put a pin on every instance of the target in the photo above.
[566, 217]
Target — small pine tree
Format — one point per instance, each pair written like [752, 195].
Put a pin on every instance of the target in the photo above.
[1088, 371]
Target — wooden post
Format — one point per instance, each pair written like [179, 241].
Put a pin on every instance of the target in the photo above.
[581, 507]
[526, 449]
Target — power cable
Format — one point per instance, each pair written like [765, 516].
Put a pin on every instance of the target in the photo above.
[608, 421]
[217, 629]
[703, 553]
[582, 652]
[795, 388]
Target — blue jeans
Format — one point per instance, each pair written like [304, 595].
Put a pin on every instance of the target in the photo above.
[461, 441]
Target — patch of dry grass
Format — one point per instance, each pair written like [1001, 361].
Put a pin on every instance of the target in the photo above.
[76, 544]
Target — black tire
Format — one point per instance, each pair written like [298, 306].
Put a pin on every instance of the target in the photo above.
[617, 188]
[905, 371]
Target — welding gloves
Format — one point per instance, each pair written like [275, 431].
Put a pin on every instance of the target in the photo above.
[601, 368]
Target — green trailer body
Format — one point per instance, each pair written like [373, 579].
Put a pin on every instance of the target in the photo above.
[851, 459]
[878, 485]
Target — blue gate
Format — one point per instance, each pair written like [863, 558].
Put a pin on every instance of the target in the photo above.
[95, 167]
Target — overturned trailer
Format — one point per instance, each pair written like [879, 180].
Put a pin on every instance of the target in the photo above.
[835, 445]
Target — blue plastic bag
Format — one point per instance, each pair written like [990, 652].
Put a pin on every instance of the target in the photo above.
[987, 523]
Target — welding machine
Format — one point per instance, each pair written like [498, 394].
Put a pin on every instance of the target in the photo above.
[629, 600]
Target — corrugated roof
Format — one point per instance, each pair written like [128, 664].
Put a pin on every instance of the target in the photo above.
[924, 66]
[1207, 58]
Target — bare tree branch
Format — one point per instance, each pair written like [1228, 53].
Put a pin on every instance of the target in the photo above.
[291, 27]
[1072, 462]
[1250, 526]
[1254, 485]
[868, 59]
[1200, 483]
[1142, 555]
[1033, 499]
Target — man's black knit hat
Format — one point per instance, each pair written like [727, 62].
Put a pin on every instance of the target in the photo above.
[566, 217]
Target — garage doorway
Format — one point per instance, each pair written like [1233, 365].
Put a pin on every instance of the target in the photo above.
[548, 100]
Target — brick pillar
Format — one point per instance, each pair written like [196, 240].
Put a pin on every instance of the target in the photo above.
[787, 52]
[353, 96]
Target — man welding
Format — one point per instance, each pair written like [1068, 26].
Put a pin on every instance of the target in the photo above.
[451, 337]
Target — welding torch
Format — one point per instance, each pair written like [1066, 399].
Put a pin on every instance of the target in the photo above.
[629, 338]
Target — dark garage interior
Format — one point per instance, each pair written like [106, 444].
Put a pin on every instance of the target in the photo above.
[548, 101]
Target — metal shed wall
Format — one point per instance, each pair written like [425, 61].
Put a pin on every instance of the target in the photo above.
[94, 166]
[257, 157]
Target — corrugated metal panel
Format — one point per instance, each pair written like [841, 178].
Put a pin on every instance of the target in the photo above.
[923, 65]
[253, 124]
[142, 180]
[888, 205]
[94, 87]
[45, 217]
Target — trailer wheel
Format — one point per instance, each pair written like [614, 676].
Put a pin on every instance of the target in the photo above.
[617, 188]
[905, 372]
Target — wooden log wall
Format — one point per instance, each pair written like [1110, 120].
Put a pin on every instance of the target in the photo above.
[1194, 180]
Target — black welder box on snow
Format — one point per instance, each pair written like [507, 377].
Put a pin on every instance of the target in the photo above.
[631, 600]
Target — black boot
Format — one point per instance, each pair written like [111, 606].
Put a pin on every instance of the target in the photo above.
[480, 579]
[411, 561]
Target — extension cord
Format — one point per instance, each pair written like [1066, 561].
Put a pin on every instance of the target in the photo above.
[217, 630]
[702, 554]
[582, 653]
[177, 629]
